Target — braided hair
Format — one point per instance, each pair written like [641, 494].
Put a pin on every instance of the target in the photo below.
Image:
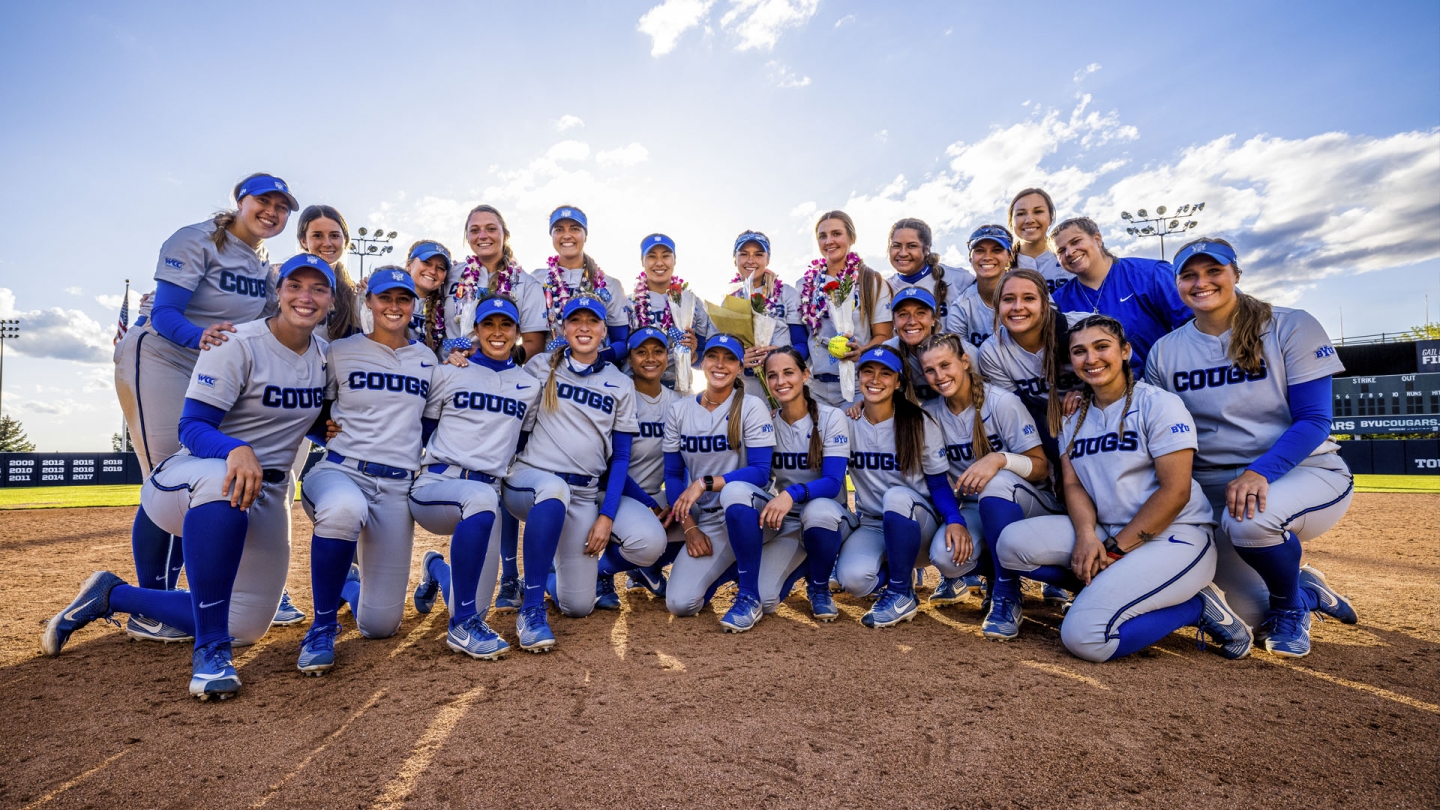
[980, 442]
[1107, 324]
[817, 441]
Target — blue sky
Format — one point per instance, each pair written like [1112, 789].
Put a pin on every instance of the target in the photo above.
[1311, 131]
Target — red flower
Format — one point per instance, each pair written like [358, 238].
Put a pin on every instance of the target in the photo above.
[830, 286]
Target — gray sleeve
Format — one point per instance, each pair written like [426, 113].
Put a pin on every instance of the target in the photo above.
[836, 433]
[1308, 353]
[183, 258]
[220, 374]
[757, 429]
[935, 460]
[990, 366]
[617, 309]
[626, 420]
[1168, 425]
[671, 443]
[332, 380]
[790, 295]
[530, 299]
[1017, 427]
[439, 392]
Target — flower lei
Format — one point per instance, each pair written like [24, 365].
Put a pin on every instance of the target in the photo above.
[760, 302]
[813, 294]
[558, 294]
[465, 289]
[643, 316]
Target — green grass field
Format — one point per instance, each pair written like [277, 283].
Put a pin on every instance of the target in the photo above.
[61, 497]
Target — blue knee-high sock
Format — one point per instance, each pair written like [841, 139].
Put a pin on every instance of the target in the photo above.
[902, 544]
[1279, 566]
[995, 515]
[467, 556]
[612, 562]
[214, 534]
[509, 545]
[822, 546]
[440, 571]
[747, 540]
[802, 571]
[350, 593]
[730, 575]
[1141, 631]
[151, 547]
[171, 607]
[329, 563]
[542, 537]
[1057, 575]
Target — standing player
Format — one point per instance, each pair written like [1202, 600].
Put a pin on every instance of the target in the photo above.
[1002, 471]
[1139, 533]
[211, 276]
[250, 403]
[779, 301]
[917, 265]
[1032, 212]
[896, 451]
[480, 409]
[490, 270]
[651, 303]
[718, 447]
[1139, 293]
[571, 273]
[1257, 379]
[991, 256]
[358, 495]
[428, 263]
[835, 234]
[581, 436]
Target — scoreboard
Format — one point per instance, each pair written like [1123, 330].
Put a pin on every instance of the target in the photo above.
[1397, 403]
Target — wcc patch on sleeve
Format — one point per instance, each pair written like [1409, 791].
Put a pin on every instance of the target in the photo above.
[205, 379]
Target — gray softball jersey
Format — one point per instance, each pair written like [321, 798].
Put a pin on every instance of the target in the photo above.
[791, 461]
[701, 437]
[593, 406]
[235, 283]
[379, 395]
[1008, 426]
[647, 452]
[481, 412]
[874, 467]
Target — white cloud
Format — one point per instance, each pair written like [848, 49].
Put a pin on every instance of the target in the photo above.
[631, 155]
[74, 290]
[883, 136]
[1086, 71]
[759, 23]
[62, 334]
[848, 18]
[568, 122]
[113, 302]
[665, 23]
[782, 76]
[569, 150]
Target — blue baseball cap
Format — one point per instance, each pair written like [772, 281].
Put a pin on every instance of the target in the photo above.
[426, 250]
[495, 305]
[655, 239]
[264, 184]
[913, 294]
[382, 280]
[578, 303]
[645, 333]
[310, 260]
[569, 213]
[883, 355]
[1214, 250]
[752, 236]
[729, 343]
[994, 233]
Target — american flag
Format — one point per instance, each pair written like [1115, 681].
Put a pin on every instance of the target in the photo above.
[123, 325]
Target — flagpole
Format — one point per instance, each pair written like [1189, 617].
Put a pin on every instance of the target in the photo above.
[124, 429]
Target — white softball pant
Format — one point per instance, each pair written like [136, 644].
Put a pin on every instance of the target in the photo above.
[636, 529]
[1034, 502]
[151, 378]
[346, 504]
[183, 481]
[1159, 573]
[1308, 501]
[858, 568]
[439, 501]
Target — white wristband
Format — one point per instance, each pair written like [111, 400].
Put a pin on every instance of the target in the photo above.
[1019, 464]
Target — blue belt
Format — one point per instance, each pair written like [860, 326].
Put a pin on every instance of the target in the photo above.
[835, 378]
[273, 476]
[370, 468]
[468, 475]
[710, 510]
[575, 480]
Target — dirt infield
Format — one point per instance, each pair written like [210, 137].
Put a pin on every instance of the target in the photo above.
[640, 708]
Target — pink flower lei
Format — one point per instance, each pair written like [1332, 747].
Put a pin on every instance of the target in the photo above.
[558, 294]
[641, 303]
[773, 304]
[470, 279]
[812, 298]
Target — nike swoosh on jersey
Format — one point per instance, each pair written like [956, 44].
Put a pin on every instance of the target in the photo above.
[520, 388]
[204, 605]
[427, 365]
[1127, 298]
[1182, 542]
[610, 385]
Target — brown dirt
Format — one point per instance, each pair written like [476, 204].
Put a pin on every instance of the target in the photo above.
[655, 711]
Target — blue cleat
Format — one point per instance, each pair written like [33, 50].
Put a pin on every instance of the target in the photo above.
[1002, 621]
[1287, 632]
[644, 578]
[317, 651]
[475, 638]
[287, 614]
[891, 609]
[140, 628]
[534, 630]
[605, 596]
[1331, 604]
[93, 602]
[948, 592]
[511, 595]
[743, 615]
[212, 672]
[975, 584]
[822, 604]
[429, 588]
[1055, 595]
[1223, 626]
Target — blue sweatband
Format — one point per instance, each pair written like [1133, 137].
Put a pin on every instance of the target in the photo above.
[200, 430]
[167, 313]
[1310, 412]
[943, 496]
[828, 485]
[619, 472]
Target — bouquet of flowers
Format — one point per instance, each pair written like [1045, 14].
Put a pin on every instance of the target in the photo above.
[682, 311]
[762, 324]
[840, 302]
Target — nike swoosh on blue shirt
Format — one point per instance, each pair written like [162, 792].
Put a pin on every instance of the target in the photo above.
[1127, 298]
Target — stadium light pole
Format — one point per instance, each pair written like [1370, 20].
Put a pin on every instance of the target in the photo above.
[370, 243]
[8, 330]
[1142, 224]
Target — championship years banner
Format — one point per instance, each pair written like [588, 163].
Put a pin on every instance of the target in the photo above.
[68, 469]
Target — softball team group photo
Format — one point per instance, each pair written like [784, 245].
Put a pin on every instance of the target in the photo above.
[1145, 441]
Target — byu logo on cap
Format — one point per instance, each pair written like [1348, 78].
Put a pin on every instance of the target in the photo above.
[280, 184]
[566, 213]
[1201, 247]
[311, 259]
[396, 275]
[656, 238]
